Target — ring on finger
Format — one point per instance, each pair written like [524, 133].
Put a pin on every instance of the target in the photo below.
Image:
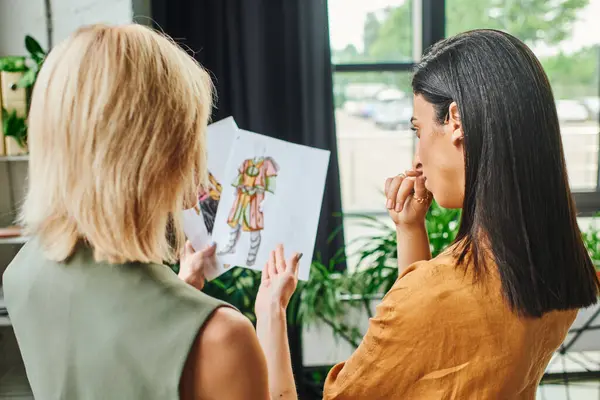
[402, 175]
[421, 200]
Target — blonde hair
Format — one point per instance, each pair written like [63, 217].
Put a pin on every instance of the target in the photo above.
[117, 145]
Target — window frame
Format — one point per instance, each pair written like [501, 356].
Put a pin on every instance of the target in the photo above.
[432, 29]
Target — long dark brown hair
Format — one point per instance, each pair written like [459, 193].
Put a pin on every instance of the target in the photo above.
[516, 187]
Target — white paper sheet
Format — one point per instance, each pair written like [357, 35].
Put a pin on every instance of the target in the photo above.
[219, 140]
[272, 193]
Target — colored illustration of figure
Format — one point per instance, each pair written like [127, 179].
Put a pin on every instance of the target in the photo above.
[208, 201]
[256, 176]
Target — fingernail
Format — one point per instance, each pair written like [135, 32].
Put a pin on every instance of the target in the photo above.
[388, 205]
[299, 256]
[212, 244]
[398, 207]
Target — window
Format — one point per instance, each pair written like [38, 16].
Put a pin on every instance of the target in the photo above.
[375, 31]
[374, 46]
[565, 37]
[373, 111]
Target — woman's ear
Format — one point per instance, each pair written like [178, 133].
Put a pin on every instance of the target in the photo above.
[455, 124]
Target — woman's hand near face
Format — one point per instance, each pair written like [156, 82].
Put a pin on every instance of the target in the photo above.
[407, 202]
[407, 199]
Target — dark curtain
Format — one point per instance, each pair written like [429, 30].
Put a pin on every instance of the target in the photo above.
[270, 61]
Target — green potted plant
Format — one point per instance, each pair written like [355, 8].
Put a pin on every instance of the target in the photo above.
[28, 65]
[20, 73]
[591, 238]
[15, 127]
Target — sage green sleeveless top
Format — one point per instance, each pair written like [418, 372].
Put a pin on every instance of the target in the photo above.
[90, 330]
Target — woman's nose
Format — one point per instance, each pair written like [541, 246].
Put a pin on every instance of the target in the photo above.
[417, 165]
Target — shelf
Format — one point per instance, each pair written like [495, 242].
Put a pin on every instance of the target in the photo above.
[4, 321]
[24, 157]
[14, 240]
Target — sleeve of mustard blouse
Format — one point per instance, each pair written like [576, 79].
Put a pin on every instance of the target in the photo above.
[387, 361]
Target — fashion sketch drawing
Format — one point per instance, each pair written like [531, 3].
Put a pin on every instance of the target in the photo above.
[208, 201]
[255, 178]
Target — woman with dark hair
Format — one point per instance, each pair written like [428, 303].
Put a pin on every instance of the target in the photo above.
[482, 320]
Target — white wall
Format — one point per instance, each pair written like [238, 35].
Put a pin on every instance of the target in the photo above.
[17, 19]
[27, 17]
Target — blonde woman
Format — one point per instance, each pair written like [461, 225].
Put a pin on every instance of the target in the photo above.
[116, 135]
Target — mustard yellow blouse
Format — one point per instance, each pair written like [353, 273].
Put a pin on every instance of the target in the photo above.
[437, 335]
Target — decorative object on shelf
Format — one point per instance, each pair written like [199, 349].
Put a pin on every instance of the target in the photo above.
[14, 128]
[14, 113]
[17, 77]
[28, 66]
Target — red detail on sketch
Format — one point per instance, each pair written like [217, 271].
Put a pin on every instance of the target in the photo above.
[255, 177]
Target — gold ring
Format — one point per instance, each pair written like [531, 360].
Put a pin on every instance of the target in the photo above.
[421, 200]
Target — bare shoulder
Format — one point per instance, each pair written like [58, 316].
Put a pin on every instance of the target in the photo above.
[212, 370]
[224, 325]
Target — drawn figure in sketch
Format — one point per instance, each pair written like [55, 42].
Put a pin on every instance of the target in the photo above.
[208, 201]
[256, 176]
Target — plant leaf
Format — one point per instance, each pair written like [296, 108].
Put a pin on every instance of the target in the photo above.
[33, 47]
[15, 127]
[13, 64]
[28, 78]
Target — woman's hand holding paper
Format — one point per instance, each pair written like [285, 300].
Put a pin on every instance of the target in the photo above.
[193, 264]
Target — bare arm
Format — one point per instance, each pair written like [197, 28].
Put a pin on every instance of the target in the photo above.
[413, 245]
[226, 361]
[279, 280]
[272, 335]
